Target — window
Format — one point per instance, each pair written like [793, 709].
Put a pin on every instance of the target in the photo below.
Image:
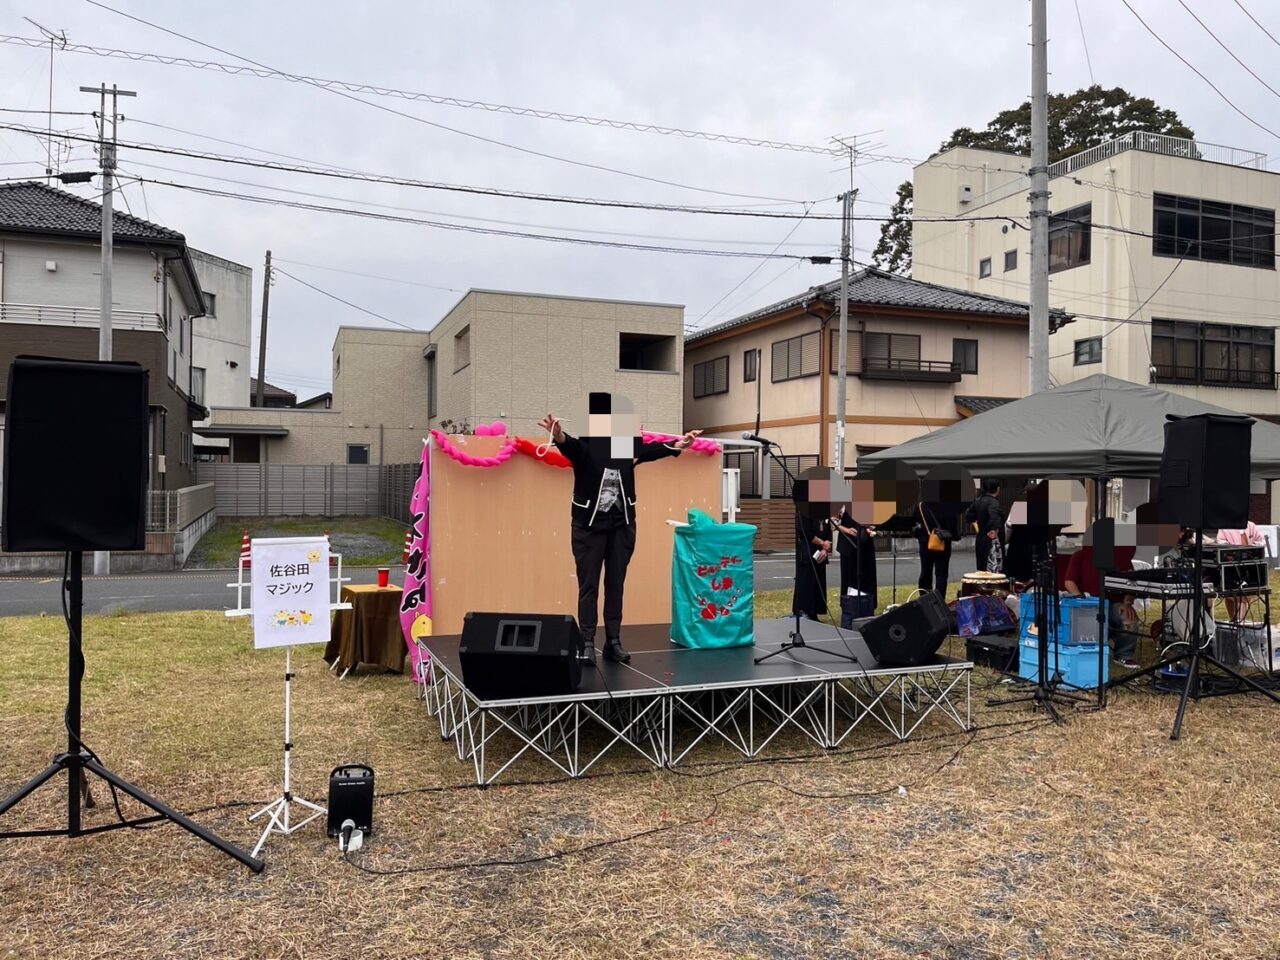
[1010, 260]
[431, 385]
[853, 351]
[796, 357]
[711, 377]
[964, 353]
[210, 304]
[1069, 238]
[984, 267]
[748, 475]
[750, 366]
[646, 351]
[1213, 354]
[337, 365]
[779, 482]
[1088, 351]
[1213, 231]
[462, 348]
[890, 351]
[357, 453]
[197, 384]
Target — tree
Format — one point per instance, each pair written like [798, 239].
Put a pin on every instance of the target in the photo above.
[1077, 121]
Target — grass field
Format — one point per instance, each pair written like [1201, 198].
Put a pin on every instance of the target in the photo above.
[363, 541]
[1097, 838]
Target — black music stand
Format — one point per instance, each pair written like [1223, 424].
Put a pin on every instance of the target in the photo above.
[1046, 694]
[795, 639]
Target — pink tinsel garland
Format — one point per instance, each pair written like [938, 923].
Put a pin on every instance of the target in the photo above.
[509, 448]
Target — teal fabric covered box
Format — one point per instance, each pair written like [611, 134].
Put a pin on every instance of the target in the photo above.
[712, 583]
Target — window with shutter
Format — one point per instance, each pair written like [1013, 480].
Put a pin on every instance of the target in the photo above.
[711, 377]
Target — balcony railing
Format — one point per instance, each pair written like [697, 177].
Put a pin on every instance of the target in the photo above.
[56, 315]
[1216, 377]
[1136, 140]
[912, 371]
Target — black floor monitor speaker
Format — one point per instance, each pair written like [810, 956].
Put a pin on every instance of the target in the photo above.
[1204, 472]
[350, 798]
[509, 655]
[909, 635]
[75, 456]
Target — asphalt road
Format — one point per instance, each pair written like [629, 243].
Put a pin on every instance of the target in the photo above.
[207, 589]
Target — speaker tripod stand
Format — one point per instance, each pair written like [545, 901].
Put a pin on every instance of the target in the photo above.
[795, 639]
[78, 761]
[1198, 643]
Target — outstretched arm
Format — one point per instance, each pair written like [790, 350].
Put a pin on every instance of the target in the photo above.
[570, 446]
[656, 451]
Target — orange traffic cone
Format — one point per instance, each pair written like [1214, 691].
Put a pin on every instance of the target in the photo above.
[244, 550]
[408, 542]
[333, 561]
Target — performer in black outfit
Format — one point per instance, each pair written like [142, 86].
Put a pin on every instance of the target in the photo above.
[857, 568]
[935, 565]
[989, 516]
[604, 516]
[813, 536]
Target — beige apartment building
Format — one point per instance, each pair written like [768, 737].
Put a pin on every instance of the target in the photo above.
[493, 356]
[920, 356]
[1175, 236]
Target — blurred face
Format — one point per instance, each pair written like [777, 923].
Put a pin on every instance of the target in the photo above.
[611, 424]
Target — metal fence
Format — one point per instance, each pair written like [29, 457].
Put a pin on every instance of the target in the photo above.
[169, 511]
[294, 490]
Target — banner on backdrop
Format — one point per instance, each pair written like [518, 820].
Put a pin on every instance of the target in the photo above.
[290, 591]
[415, 601]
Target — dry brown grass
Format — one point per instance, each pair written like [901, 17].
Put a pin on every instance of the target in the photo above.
[1099, 838]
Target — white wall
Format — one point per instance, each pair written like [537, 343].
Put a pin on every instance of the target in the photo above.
[224, 338]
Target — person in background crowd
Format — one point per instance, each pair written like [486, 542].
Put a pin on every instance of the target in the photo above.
[988, 515]
[1250, 536]
[934, 564]
[1019, 560]
[857, 567]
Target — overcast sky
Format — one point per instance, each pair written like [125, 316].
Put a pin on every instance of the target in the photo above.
[903, 73]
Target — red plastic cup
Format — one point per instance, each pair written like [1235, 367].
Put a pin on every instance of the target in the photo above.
[384, 576]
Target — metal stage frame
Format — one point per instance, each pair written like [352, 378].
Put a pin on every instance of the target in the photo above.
[671, 700]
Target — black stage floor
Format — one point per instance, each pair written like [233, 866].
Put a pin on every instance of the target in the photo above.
[659, 666]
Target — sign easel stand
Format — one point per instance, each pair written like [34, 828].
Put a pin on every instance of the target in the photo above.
[278, 811]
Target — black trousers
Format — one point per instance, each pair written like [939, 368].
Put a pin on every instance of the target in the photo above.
[611, 550]
[934, 568]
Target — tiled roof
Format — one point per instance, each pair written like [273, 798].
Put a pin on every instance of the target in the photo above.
[269, 389]
[976, 405]
[872, 287]
[31, 207]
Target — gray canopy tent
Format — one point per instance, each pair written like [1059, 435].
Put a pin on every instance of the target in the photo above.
[1092, 428]
[1098, 428]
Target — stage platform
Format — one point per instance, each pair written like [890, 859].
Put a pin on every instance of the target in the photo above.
[670, 700]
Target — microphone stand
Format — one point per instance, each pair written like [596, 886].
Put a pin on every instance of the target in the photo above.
[795, 638]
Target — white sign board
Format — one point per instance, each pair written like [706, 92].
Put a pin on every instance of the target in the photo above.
[290, 591]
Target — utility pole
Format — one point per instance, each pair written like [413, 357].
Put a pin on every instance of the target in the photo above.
[842, 388]
[262, 334]
[107, 161]
[1038, 343]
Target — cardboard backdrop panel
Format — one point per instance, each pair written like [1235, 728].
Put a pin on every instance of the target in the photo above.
[500, 535]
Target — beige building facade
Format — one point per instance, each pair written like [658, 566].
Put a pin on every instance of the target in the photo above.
[1163, 249]
[920, 356]
[493, 356]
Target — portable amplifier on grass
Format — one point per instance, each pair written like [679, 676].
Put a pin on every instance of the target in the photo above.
[351, 798]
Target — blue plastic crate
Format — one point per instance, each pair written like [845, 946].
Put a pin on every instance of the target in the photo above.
[1077, 619]
[1078, 662]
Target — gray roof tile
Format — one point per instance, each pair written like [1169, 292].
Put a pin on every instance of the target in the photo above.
[31, 207]
[978, 405]
[873, 287]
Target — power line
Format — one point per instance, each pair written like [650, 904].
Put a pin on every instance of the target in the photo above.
[368, 276]
[353, 306]
[1084, 42]
[1227, 100]
[464, 103]
[468, 228]
[440, 126]
[340, 173]
[1230, 52]
[1259, 25]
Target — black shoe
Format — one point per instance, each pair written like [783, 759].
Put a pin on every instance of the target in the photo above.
[613, 651]
[588, 655]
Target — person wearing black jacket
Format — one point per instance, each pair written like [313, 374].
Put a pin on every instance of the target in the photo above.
[935, 565]
[603, 514]
[989, 516]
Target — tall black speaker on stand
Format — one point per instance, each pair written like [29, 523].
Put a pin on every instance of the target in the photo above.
[1204, 484]
[75, 475]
